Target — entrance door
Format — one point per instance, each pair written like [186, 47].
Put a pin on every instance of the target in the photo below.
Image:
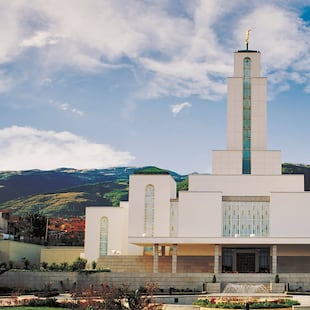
[245, 262]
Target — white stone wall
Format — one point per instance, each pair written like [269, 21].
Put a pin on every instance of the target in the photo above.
[259, 113]
[200, 214]
[289, 215]
[234, 113]
[227, 162]
[165, 190]
[266, 162]
[117, 230]
[246, 185]
[258, 105]
[238, 63]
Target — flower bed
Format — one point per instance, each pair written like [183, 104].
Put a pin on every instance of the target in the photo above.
[240, 303]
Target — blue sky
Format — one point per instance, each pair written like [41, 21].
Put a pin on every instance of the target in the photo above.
[104, 83]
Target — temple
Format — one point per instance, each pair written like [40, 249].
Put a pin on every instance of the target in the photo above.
[245, 217]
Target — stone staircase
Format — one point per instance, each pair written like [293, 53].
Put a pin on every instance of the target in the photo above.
[192, 264]
[126, 263]
[144, 264]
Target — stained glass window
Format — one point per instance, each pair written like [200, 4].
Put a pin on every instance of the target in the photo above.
[149, 211]
[104, 226]
[173, 218]
[246, 159]
[245, 218]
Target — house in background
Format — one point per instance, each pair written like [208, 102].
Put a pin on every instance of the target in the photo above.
[245, 217]
[4, 221]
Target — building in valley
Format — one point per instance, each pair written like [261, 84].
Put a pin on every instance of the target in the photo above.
[245, 217]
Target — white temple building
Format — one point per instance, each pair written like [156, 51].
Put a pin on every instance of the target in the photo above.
[245, 217]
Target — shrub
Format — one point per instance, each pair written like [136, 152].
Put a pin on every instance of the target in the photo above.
[64, 266]
[48, 302]
[26, 262]
[54, 267]
[44, 265]
[11, 264]
[78, 264]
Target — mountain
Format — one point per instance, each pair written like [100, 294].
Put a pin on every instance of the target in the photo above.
[15, 184]
[66, 192]
[288, 168]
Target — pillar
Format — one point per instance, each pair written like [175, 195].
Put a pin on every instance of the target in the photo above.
[216, 259]
[163, 250]
[155, 259]
[274, 259]
[174, 258]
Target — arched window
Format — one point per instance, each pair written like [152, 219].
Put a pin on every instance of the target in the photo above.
[149, 210]
[104, 232]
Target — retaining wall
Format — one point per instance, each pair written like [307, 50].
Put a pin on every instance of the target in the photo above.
[64, 281]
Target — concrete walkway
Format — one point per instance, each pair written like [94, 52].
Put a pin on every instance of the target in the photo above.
[303, 299]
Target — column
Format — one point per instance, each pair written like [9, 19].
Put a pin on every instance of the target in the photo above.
[216, 259]
[256, 261]
[274, 259]
[155, 259]
[174, 258]
[163, 250]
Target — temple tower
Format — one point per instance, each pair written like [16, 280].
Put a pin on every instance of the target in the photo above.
[246, 151]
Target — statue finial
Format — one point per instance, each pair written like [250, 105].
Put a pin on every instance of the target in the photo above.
[247, 36]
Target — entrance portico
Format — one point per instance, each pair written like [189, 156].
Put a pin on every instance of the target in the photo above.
[246, 259]
[226, 258]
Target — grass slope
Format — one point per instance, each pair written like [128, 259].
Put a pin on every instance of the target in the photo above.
[71, 201]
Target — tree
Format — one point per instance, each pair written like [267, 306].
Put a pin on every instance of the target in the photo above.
[34, 226]
[39, 223]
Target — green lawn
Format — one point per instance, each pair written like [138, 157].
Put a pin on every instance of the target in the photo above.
[32, 308]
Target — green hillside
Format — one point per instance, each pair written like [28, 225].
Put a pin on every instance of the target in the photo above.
[84, 188]
[70, 203]
[288, 168]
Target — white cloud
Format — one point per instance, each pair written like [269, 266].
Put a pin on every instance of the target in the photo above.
[46, 81]
[183, 78]
[25, 148]
[77, 112]
[40, 39]
[177, 108]
[187, 52]
[280, 35]
[66, 107]
[6, 82]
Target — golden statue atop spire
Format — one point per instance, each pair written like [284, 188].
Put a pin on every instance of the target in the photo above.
[247, 36]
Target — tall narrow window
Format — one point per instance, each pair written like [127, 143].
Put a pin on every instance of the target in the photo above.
[246, 154]
[149, 211]
[104, 232]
